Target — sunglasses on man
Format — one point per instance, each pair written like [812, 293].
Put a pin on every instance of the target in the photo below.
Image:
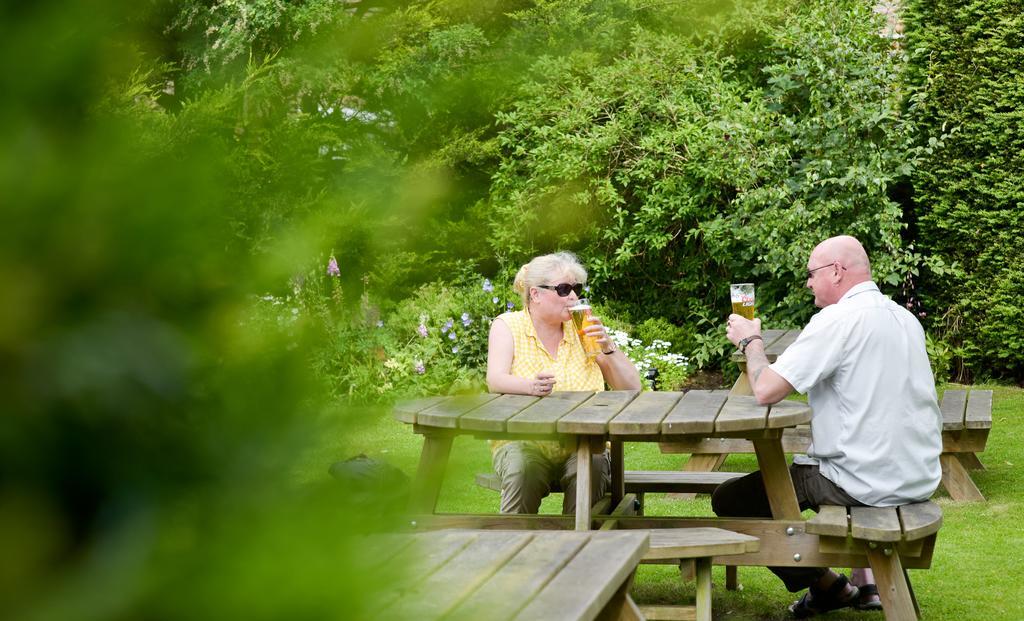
[563, 289]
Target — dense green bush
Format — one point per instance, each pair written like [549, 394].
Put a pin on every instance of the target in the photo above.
[689, 160]
[967, 96]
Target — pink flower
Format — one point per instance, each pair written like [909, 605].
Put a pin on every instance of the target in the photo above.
[332, 267]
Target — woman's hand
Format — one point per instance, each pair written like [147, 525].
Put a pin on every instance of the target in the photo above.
[543, 384]
[596, 330]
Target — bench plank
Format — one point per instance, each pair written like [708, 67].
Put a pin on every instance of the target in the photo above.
[698, 542]
[676, 481]
[542, 417]
[644, 414]
[592, 417]
[920, 519]
[830, 521]
[447, 413]
[979, 410]
[603, 560]
[953, 404]
[522, 577]
[644, 481]
[739, 413]
[875, 524]
[695, 412]
[492, 415]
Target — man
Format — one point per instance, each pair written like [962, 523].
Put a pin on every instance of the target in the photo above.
[876, 433]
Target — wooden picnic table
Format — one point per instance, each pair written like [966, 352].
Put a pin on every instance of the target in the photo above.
[591, 419]
[505, 575]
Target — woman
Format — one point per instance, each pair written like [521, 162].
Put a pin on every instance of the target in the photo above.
[536, 351]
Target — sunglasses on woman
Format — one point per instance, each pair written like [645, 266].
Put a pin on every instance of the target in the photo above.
[563, 289]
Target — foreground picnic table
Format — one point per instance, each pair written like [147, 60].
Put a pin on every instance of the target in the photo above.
[503, 575]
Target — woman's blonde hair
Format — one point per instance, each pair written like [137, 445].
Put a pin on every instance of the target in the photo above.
[545, 268]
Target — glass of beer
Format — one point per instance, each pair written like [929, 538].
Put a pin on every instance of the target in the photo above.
[743, 299]
[580, 320]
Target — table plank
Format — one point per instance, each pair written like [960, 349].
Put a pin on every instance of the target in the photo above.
[590, 579]
[788, 414]
[519, 580]
[695, 412]
[741, 413]
[979, 410]
[457, 579]
[644, 414]
[493, 415]
[875, 524]
[779, 345]
[591, 418]
[446, 413]
[542, 416]
[954, 402]
[405, 411]
[422, 558]
[768, 336]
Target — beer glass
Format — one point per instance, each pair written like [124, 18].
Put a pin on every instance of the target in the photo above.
[742, 299]
[580, 320]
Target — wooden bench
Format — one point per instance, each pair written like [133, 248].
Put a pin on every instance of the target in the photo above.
[640, 482]
[885, 535]
[690, 548]
[966, 423]
[696, 545]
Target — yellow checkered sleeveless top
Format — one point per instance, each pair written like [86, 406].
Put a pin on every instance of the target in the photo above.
[572, 369]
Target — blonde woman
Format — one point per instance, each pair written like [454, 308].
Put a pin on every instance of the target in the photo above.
[535, 351]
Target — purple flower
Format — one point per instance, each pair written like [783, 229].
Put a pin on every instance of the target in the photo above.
[447, 325]
[510, 306]
[494, 299]
[451, 335]
[466, 320]
[586, 288]
[419, 368]
[488, 287]
[455, 349]
[422, 329]
[332, 267]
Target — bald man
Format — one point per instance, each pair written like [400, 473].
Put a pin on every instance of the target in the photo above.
[876, 433]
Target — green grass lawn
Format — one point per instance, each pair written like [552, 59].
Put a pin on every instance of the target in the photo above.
[973, 571]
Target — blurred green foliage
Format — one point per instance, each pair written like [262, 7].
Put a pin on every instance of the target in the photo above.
[966, 84]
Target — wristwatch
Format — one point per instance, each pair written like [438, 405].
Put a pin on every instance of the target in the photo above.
[744, 342]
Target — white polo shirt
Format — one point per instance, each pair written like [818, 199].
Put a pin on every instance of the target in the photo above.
[877, 429]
